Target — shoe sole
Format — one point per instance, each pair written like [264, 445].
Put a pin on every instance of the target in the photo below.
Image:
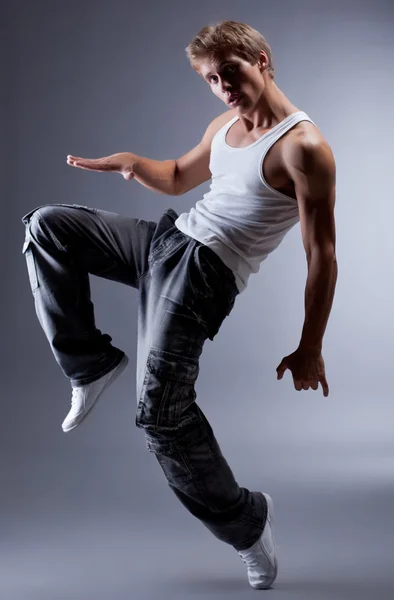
[117, 371]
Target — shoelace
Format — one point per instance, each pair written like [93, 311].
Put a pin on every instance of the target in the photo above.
[74, 396]
[251, 560]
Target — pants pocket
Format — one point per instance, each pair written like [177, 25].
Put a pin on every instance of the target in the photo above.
[31, 265]
[193, 455]
[167, 391]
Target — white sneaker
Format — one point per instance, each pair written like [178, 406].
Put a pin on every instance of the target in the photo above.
[260, 558]
[84, 397]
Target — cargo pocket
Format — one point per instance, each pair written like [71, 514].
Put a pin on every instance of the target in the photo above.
[167, 391]
[31, 264]
[192, 456]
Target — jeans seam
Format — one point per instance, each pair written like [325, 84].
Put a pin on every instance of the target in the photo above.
[52, 235]
[144, 274]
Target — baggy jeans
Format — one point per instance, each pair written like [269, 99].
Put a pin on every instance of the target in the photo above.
[185, 293]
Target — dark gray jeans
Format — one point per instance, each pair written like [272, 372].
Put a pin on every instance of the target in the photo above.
[185, 293]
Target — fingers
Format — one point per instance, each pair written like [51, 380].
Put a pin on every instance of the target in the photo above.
[90, 164]
[305, 385]
[307, 373]
[71, 160]
[76, 161]
[281, 369]
[312, 383]
[300, 384]
[324, 384]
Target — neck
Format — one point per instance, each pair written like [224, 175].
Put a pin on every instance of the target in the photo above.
[272, 107]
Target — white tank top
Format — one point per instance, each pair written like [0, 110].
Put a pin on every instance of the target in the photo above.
[241, 218]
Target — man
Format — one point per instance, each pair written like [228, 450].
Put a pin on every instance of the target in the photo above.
[270, 167]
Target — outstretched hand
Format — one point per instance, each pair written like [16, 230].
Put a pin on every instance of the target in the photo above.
[307, 369]
[118, 163]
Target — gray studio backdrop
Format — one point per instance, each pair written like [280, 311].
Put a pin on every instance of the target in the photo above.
[89, 514]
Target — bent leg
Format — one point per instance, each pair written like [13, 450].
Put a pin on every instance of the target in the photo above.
[64, 243]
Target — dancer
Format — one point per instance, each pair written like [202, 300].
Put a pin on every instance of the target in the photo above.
[270, 168]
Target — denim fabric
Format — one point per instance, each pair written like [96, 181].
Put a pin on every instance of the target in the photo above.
[184, 293]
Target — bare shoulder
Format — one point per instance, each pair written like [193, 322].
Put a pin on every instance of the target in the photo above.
[216, 124]
[305, 146]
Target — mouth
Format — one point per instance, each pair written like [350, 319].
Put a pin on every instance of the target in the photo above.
[234, 99]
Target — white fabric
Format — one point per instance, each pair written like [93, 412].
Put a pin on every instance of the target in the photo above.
[241, 217]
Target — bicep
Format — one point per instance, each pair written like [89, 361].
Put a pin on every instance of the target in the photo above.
[192, 169]
[313, 171]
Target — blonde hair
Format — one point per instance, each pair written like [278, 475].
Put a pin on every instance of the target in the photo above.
[240, 39]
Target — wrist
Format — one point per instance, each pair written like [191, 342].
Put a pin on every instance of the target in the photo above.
[314, 349]
[132, 160]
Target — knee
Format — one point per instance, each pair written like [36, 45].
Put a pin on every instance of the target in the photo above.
[48, 213]
[40, 224]
[34, 223]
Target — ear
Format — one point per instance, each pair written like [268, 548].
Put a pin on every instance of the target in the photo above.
[263, 61]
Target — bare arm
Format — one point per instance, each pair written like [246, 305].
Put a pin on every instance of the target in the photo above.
[176, 177]
[172, 177]
[312, 167]
[160, 176]
[156, 175]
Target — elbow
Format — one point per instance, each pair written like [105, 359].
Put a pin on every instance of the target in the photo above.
[326, 254]
[176, 185]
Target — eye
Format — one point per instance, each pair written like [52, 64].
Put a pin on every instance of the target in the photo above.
[230, 70]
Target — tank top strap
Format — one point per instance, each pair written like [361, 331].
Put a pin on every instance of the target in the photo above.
[223, 130]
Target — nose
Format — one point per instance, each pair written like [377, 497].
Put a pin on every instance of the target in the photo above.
[225, 86]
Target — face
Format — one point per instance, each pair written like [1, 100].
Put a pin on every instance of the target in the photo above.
[234, 80]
